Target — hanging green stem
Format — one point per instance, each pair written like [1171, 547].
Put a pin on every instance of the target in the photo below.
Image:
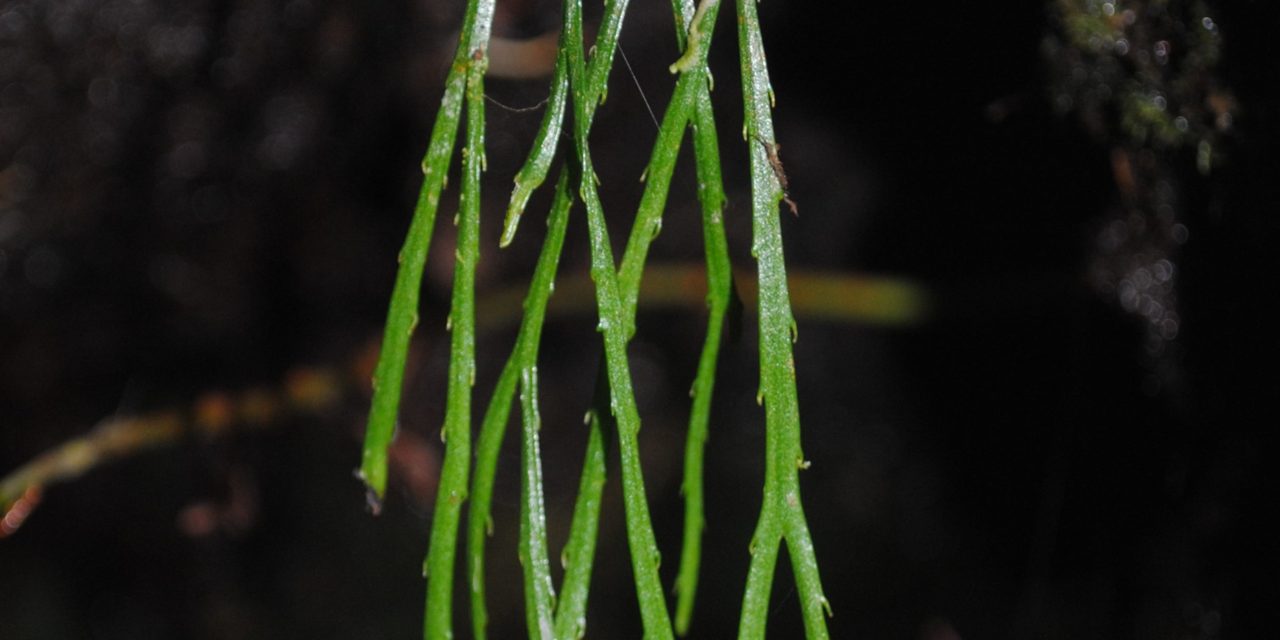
[647, 223]
[479, 518]
[533, 521]
[452, 491]
[719, 287]
[653, 201]
[539, 592]
[719, 284]
[402, 314]
[640, 538]
[644, 551]
[579, 552]
[662, 163]
[781, 515]
[535, 168]
[690, 97]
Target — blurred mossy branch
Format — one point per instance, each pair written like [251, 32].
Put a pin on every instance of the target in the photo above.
[1141, 73]
[820, 296]
[317, 392]
[305, 391]
[1141, 78]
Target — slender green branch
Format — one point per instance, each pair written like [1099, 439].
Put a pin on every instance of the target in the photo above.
[643, 232]
[781, 514]
[462, 373]
[719, 286]
[523, 355]
[570, 620]
[539, 591]
[644, 552]
[535, 168]
[571, 615]
[601, 54]
[691, 92]
[719, 282]
[479, 518]
[653, 201]
[640, 538]
[579, 553]
[402, 314]
[662, 163]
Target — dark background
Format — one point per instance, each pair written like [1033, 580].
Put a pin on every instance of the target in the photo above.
[206, 195]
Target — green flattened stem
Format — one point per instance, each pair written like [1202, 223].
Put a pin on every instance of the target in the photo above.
[781, 514]
[402, 314]
[452, 490]
[690, 101]
[535, 168]
[601, 61]
[653, 608]
[539, 592]
[579, 553]
[662, 161]
[534, 171]
[640, 538]
[479, 519]
[719, 285]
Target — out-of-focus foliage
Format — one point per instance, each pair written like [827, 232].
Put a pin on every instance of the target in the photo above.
[1140, 71]
[1141, 78]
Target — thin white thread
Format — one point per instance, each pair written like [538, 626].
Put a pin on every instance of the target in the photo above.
[636, 80]
[517, 109]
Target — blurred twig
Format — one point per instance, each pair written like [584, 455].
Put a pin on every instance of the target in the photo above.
[304, 391]
[311, 391]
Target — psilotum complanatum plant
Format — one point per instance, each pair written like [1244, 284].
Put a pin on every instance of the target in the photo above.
[466, 482]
